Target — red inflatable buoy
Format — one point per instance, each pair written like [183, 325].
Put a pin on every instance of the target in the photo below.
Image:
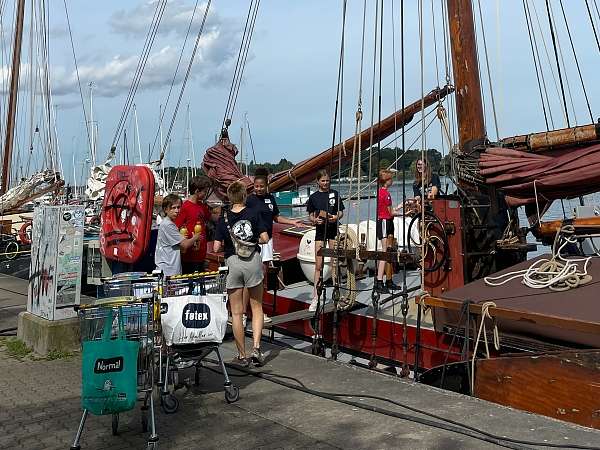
[126, 216]
[24, 233]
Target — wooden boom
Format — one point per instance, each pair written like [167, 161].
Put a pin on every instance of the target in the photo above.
[304, 171]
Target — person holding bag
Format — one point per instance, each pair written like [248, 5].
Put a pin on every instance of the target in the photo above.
[239, 232]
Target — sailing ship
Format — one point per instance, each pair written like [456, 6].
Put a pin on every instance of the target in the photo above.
[547, 356]
[27, 180]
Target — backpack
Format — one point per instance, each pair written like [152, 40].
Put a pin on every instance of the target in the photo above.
[243, 249]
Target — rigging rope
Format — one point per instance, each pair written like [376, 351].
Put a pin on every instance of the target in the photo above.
[489, 73]
[587, 101]
[185, 80]
[535, 63]
[149, 41]
[587, 5]
[241, 60]
[554, 44]
[485, 314]
[557, 273]
[164, 110]
[77, 74]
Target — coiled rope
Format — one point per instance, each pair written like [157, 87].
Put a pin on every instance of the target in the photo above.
[557, 273]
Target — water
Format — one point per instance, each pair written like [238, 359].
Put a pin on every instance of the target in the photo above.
[366, 207]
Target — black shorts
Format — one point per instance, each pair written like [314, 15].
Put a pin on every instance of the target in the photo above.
[384, 228]
[332, 231]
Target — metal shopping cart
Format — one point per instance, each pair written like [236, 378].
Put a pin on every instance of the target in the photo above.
[193, 311]
[118, 352]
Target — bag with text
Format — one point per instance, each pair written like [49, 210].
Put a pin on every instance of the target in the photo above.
[194, 319]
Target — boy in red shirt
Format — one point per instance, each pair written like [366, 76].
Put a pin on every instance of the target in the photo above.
[193, 216]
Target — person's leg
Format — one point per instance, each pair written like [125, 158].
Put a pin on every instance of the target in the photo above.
[318, 266]
[379, 286]
[381, 262]
[334, 262]
[256, 294]
[266, 318]
[236, 303]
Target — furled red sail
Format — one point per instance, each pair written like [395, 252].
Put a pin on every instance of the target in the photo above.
[563, 173]
[219, 164]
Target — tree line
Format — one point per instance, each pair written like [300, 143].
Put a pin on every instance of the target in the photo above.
[387, 157]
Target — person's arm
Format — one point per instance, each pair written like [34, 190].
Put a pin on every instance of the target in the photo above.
[313, 213]
[435, 188]
[217, 245]
[286, 221]
[189, 243]
[263, 238]
[220, 231]
[340, 209]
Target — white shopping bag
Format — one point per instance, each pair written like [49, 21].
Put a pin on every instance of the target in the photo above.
[194, 319]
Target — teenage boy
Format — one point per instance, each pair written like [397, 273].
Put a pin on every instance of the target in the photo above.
[170, 242]
[195, 213]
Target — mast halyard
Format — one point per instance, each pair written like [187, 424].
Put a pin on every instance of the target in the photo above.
[12, 102]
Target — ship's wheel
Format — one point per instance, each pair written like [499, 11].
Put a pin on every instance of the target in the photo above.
[432, 236]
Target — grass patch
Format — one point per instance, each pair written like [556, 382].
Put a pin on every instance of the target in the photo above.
[17, 348]
[58, 354]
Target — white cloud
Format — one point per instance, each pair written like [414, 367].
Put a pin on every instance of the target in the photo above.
[175, 19]
[213, 64]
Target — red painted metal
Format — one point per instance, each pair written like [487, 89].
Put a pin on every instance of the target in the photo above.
[354, 335]
[451, 274]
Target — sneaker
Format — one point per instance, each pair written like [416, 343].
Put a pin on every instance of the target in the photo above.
[266, 319]
[181, 363]
[391, 286]
[314, 304]
[380, 288]
[244, 319]
[257, 357]
[240, 361]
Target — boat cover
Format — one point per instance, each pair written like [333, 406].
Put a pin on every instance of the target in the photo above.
[126, 216]
[562, 173]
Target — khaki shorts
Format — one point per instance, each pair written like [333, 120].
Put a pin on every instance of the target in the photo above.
[244, 273]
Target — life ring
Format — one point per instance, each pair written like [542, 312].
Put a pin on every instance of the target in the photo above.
[23, 233]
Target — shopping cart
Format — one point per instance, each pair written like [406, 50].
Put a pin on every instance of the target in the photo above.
[193, 311]
[118, 353]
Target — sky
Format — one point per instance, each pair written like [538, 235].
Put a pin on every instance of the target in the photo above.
[289, 89]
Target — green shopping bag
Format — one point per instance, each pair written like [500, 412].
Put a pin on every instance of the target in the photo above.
[109, 371]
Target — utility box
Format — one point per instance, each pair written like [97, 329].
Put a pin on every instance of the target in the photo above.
[56, 258]
[97, 265]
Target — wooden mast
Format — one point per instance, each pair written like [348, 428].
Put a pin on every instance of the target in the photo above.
[469, 107]
[12, 102]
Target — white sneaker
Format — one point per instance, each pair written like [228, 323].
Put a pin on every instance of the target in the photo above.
[314, 304]
[266, 319]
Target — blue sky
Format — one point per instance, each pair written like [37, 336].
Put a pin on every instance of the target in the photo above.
[289, 86]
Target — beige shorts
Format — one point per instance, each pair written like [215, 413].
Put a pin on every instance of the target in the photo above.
[244, 273]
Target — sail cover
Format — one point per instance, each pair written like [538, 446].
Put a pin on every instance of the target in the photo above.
[219, 164]
[563, 173]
